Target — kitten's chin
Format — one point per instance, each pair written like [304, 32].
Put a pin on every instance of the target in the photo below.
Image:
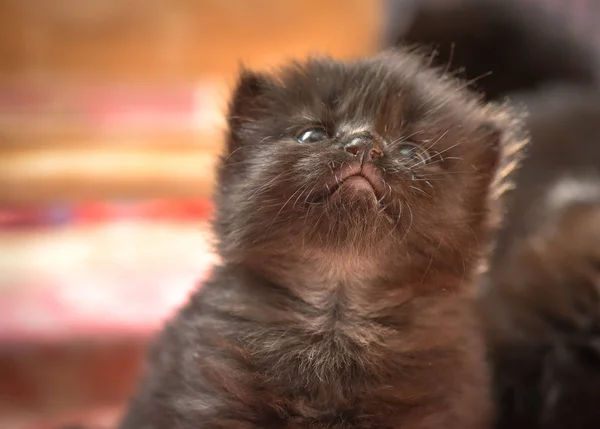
[356, 187]
[355, 181]
[352, 225]
[356, 199]
[354, 209]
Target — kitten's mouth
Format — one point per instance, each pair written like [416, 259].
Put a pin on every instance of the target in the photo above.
[357, 178]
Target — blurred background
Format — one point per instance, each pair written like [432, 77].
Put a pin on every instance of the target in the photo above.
[111, 118]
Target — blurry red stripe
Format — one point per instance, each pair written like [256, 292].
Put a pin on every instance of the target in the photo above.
[180, 210]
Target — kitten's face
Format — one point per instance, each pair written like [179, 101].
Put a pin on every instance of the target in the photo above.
[348, 157]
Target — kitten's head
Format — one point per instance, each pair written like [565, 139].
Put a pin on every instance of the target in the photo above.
[373, 157]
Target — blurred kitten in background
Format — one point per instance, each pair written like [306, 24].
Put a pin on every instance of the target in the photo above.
[542, 313]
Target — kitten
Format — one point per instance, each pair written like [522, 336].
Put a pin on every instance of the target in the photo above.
[541, 303]
[354, 203]
[502, 46]
[544, 321]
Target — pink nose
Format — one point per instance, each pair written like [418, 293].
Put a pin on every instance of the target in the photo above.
[366, 144]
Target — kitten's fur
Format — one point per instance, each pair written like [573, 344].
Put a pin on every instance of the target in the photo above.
[541, 305]
[350, 310]
[503, 46]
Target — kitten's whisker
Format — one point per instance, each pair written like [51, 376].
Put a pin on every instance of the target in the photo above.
[437, 139]
[428, 181]
[389, 191]
[284, 205]
[304, 188]
[397, 222]
[439, 161]
[232, 153]
[307, 196]
[402, 139]
[262, 188]
[432, 145]
[449, 64]
[475, 79]
[445, 173]
[409, 224]
[420, 190]
[448, 148]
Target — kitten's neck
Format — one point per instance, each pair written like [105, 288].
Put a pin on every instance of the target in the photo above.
[345, 334]
[357, 286]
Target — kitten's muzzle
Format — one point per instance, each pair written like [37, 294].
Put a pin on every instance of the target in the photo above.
[360, 172]
[357, 169]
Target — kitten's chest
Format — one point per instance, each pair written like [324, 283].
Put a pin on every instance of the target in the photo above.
[340, 421]
[328, 374]
[361, 413]
[320, 352]
[330, 349]
[333, 366]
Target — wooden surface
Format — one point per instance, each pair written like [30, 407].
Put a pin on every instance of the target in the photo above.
[47, 156]
[167, 39]
[43, 175]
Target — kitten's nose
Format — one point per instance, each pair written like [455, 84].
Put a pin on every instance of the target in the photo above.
[366, 146]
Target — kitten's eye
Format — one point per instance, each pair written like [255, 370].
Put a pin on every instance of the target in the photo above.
[312, 135]
[415, 153]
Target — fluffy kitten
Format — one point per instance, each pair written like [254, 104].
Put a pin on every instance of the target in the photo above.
[354, 203]
[541, 306]
[503, 46]
[546, 346]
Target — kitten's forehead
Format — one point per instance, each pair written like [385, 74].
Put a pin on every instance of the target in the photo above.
[351, 95]
[354, 126]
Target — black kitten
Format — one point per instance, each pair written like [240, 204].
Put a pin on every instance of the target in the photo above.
[541, 306]
[544, 318]
[354, 204]
[503, 46]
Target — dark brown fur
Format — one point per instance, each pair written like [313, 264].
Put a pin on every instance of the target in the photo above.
[541, 304]
[348, 312]
[546, 347]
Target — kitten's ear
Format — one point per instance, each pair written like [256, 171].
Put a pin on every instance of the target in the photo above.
[493, 133]
[249, 99]
[491, 150]
[503, 150]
